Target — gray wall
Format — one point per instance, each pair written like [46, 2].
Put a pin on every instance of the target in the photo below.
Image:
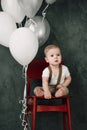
[68, 23]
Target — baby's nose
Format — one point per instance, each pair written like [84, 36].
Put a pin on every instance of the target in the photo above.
[56, 56]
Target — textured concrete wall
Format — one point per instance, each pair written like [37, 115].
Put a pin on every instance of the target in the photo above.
[68, 23]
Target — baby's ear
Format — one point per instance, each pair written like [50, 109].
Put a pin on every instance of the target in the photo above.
[46, 59]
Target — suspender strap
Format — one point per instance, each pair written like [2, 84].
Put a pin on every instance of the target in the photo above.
[60, 74]
[50, 73]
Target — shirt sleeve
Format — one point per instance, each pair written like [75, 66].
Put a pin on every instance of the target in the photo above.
[67, 72]
[45, 72]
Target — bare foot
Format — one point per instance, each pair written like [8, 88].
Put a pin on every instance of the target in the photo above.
[59, 93]
[38, 92]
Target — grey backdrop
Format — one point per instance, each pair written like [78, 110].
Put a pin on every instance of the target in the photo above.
[68, 23]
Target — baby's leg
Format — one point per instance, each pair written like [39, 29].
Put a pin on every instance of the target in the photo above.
[38, 91]
[62, 92]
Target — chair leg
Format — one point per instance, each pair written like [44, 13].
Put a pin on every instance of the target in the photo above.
[64, 120]
[64, 115]
[69, 114]
[34, 114]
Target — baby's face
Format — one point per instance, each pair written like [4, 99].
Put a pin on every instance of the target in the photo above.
[53, 56]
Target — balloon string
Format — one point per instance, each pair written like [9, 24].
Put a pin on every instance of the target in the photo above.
[25, 73]
[44, 12]
[24, 102]
[30, 21]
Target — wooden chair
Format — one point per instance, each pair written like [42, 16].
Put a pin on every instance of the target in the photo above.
[34, 72]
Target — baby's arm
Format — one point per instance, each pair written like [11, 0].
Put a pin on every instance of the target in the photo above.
[65, 83]
[47, 93]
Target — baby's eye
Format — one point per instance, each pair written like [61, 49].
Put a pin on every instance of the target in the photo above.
[58, 54]
[51, 55]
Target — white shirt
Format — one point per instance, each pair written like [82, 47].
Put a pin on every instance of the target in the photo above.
[54, 78]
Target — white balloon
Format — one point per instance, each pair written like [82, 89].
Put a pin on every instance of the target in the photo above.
[23, 45]
[13, 8]
[40, 27]
[50, 1]
[7, 26]
[30, 6]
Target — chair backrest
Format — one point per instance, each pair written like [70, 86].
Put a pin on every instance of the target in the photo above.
[35, 68]
[34, 71]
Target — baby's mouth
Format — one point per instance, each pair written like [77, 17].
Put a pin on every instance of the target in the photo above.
[56, 60]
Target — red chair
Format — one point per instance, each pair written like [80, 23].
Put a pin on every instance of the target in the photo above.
[34, 72]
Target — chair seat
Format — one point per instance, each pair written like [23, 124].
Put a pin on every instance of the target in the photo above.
[46, 108]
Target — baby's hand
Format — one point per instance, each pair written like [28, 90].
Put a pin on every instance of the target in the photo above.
[59, 86]
[47, 94]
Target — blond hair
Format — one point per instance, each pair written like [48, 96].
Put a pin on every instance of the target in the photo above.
[47, 48]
